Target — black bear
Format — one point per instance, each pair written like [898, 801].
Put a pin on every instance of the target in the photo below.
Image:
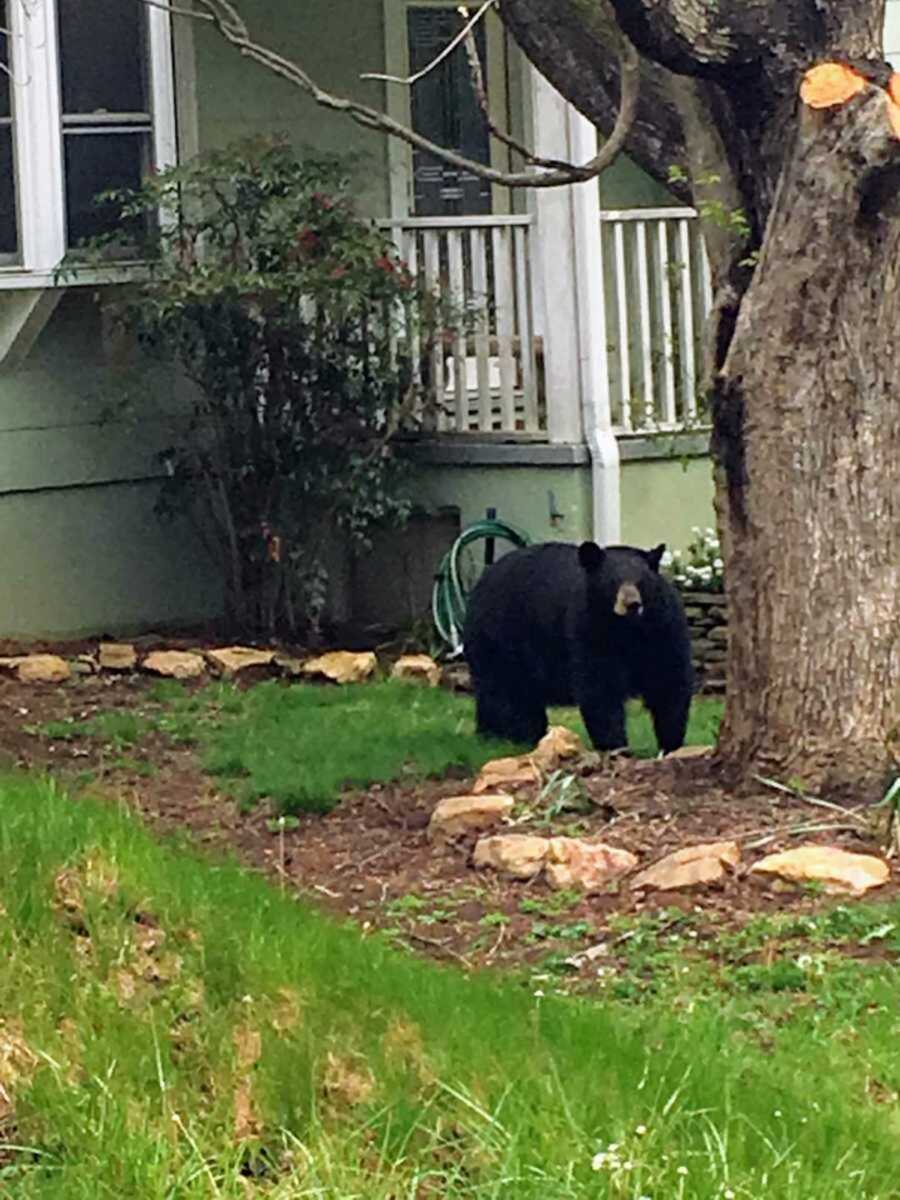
[564, 624]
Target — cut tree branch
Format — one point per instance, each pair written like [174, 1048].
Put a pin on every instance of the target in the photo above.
[232, 27]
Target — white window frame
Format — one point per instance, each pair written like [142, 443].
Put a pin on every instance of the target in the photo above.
[396, 54]
[38, 139]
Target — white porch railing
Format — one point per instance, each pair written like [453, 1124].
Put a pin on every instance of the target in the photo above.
[657, 297]
[486, 376]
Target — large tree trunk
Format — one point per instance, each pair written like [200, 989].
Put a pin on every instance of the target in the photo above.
[804, 361]
[808, 438]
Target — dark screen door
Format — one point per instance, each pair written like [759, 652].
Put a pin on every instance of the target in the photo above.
[445, 110]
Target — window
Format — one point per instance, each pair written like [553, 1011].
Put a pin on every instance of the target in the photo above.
[9, 234]
[442, 106]
[86, 104]
[445, 110]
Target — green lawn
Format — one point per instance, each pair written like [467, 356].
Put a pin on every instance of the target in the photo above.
[300, 745]
[171, 1028]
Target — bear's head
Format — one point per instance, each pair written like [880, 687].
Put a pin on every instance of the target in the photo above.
[621, 579]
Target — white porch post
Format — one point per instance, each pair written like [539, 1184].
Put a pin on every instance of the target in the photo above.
[568, 291]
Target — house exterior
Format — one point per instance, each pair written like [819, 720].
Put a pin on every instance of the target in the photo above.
[571, 406]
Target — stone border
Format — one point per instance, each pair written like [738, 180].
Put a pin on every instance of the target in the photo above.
[124, 659]
[707, 617]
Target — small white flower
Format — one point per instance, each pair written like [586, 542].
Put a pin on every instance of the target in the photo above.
[682, 1171]
[777, 1112]
[539, 994]
[728, 1194]
[641, 1130]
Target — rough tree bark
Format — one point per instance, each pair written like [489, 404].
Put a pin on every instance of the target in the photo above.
[805, 368]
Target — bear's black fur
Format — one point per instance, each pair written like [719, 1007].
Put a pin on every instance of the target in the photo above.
[565, 624]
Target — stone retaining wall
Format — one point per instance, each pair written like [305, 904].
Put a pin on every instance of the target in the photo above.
[708, 623]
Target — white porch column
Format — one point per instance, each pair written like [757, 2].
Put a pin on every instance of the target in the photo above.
[569, 310]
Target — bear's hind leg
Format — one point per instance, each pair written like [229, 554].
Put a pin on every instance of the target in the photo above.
[670, 718]
[500, 714]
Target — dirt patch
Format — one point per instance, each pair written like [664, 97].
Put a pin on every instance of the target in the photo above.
[370, 860]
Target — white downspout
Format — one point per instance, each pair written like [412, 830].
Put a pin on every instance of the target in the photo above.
[591, 328]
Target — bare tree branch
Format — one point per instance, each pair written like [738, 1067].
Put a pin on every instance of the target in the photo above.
[477, 76]
[232, 27]
[463, 34]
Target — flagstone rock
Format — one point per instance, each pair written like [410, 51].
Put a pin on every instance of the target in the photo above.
[590, 866]
[174, 664]
[417, 668]
[557, 744]
[43, 668]
[117, 656]
[457, 678]
[507, 773]
[342, 666]
[688, 752]
[518, 855]
[694, 866]
[839, 871]
[230, 661]
[457, 815]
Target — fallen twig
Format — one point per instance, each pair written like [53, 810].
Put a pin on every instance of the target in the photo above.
[496, 946]
[444, 949]
[791, 831]
[798, 795]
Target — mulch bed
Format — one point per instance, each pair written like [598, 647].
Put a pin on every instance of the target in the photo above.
[366, 859]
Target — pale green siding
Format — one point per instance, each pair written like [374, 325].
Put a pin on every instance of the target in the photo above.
[80, 546]
[337, 40]
[662, 499]
[892, 32]
[94, 560]
[549, 503]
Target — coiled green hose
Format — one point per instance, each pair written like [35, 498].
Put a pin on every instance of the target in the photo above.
[448, 596]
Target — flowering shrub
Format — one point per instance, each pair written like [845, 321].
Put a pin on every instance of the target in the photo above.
[297, 323]
[700, 568]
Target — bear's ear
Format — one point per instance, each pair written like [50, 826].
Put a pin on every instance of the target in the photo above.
[654, 556]
[590, 556]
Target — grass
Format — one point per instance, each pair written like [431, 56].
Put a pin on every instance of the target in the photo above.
[172, 1028]
[299, 746]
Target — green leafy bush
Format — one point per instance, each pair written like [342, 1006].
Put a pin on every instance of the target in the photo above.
[302, 333]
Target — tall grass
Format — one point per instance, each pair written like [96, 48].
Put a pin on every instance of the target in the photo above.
[175, 1028]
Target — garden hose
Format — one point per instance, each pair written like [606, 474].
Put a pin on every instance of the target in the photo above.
[448, 597]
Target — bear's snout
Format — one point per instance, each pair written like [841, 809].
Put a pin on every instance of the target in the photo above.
[628, 601]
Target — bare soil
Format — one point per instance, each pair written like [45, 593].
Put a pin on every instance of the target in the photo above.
[371, 862]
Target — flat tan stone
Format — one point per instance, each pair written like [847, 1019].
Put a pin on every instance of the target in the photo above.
[837, 870]
[506, 773]
[288, 664]
[43, 668]
[117, 656]
[456, 815]
[591, 866]
[229, 661]
[557, 744]
[417, 668]
[342, 666]
[515, 854]
[174, 664]
[694, 866]
[10, 662]
[691, 752]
